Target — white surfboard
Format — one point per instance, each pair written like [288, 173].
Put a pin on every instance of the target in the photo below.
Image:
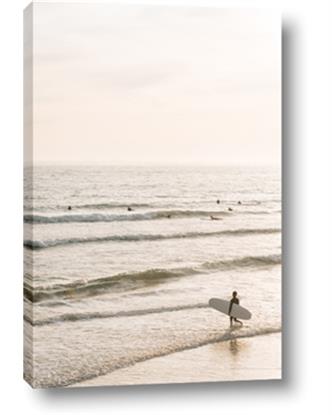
[223, 306]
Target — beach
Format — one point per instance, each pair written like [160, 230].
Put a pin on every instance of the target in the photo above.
[244, 358]
[120, 264]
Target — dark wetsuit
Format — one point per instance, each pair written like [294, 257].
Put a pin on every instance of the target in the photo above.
[234, 300]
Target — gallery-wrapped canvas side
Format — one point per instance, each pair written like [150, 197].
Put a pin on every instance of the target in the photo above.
[28, 158]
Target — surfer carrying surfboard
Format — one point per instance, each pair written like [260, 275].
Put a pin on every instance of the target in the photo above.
[231, 308]
[234, 300]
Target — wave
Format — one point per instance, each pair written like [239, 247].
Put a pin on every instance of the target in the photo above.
[141, 279]
[104, 364]
[130, 216]
[200, 341]
[143, 237]
[97, 315]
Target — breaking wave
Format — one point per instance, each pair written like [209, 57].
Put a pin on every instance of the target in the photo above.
[133, 216]
[119, 314]
[143, 237]
[171, 345]
[141, 279]
[130, 216]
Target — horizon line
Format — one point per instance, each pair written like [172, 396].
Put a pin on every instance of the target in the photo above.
[142, 164]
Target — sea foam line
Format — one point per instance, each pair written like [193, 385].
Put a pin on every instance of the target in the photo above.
[72, 317]
[42, 244]
[140, 279]
[73, 377]
[131, 216]
[128, 216]
[229, 334]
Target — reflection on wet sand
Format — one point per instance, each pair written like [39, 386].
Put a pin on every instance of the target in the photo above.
[257, 357]
[234, 347]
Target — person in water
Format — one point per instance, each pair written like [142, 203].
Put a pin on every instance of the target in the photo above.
[69, 207]
[234, 300]
[214, 218]
[218, 202]
[129, 209]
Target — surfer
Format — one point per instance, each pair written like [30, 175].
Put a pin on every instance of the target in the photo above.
[69, 207]
[129, 209]
[234, 300]
[218, 202]
[214, 218]
[230, 209]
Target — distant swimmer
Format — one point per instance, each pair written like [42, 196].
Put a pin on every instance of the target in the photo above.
[69, 208]
[218, 202]
[129, 209]
[234, 300]
[230, 209]
[168, 216]
[215, 218]
[239, 202]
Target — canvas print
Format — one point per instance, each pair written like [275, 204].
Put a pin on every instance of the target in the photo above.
[152, 194]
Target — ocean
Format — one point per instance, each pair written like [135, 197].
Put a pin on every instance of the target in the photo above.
[120, 262]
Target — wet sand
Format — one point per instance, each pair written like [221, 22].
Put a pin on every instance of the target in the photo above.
[247, 358]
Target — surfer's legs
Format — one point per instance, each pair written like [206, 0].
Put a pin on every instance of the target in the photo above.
[236, 320]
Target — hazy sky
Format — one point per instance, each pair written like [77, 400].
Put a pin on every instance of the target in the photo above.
[153, 84]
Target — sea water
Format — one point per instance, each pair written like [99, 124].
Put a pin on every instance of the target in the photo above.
[120, 262]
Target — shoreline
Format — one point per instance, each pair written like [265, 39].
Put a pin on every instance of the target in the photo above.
[244, 358]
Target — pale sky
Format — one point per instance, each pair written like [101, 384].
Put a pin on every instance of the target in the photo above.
[153, 84]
